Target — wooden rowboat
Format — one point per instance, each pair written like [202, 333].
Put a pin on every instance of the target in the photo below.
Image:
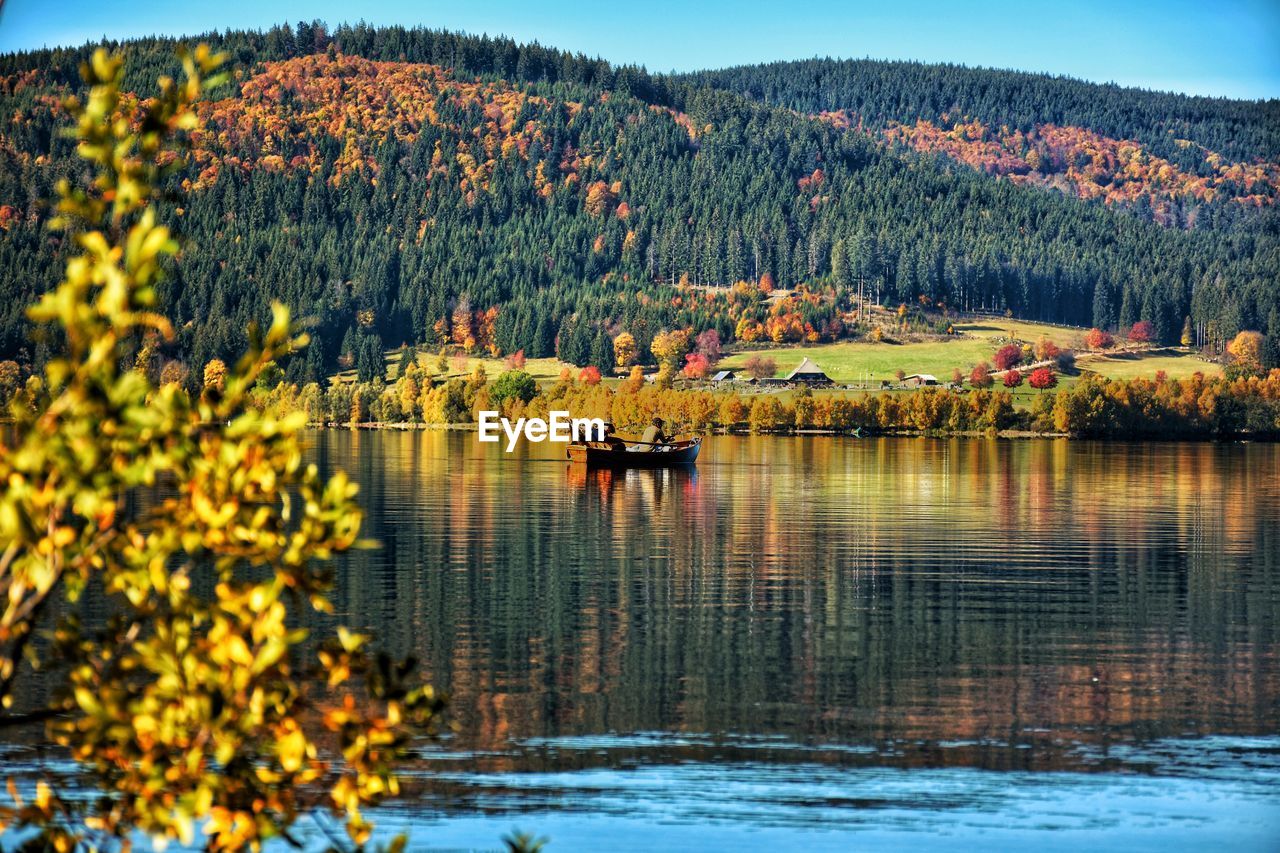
[674, 454]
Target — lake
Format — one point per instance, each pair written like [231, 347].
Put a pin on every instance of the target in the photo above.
[826, 642]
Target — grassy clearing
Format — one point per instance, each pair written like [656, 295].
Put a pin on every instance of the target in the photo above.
[542, 369]
[1024, 330]
[1175, 364]
[853, 361]
[460, 367]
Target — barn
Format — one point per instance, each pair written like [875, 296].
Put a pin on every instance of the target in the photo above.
[808, 373]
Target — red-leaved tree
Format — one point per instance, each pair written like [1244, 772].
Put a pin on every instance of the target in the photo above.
[708, 344]
[1012, 379]
[1047, 350]
[1007, 356]
[696, 366]
[980, 376]
[1042, 378]
[590, 375]
[1141, 333]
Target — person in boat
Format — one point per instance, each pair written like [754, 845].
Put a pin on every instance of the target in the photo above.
[653, 436]
[611, 439]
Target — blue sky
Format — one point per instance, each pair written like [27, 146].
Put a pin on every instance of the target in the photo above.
[1230, 47]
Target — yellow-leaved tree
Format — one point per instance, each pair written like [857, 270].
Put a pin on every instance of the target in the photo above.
[195, 709]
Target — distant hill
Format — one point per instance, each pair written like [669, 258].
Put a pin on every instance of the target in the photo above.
[418, 186]
[886, 92]
[1166, 157]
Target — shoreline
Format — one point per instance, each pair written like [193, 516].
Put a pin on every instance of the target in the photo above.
[1004, 434]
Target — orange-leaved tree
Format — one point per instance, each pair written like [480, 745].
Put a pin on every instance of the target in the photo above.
[1246, 354]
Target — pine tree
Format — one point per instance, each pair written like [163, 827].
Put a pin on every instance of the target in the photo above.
[602, 353]
[407, 357]
[544, 341]
[370, 362]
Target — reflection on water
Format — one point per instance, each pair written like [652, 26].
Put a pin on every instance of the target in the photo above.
[830, 642]
[833, 635]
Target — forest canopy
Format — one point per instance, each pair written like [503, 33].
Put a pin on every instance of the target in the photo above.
[396, 185]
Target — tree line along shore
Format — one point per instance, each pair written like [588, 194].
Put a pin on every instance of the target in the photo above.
[1197, 407]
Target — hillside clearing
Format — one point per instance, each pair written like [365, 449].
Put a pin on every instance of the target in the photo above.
[1175, 364]
[858, 361]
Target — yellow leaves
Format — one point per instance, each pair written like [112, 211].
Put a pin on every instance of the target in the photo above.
[237, 651]
[60, 538]
[210, 513]
[183, 827]
[145, 245]
[346, 795]
[292, 747]
[351, 642]
[230, 829]
[103, 66]
[87, 701]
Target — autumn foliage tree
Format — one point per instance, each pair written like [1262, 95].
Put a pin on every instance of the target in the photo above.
[1046, 350]
[708, 345]
[331, 138]
[624, 349]
[1008, 356]
[1012, 378]
[696, 366]
[1141, 332]
[1245, 350]
[635, 379]
[600, 198]
[1098, 339]
[669, 349]
[10, 377]
[215, 374]
[760, 367]
[980, 376]
[1042, 378]
[192, 709]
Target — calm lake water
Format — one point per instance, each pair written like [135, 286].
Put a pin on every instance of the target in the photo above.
[825, 642]
[829, 643]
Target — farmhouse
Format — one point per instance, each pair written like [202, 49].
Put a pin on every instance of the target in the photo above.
[919, 380]
[808, 373]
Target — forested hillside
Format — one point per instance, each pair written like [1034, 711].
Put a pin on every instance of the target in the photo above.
[1180, 161]
[416, 186]
[884, 92]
